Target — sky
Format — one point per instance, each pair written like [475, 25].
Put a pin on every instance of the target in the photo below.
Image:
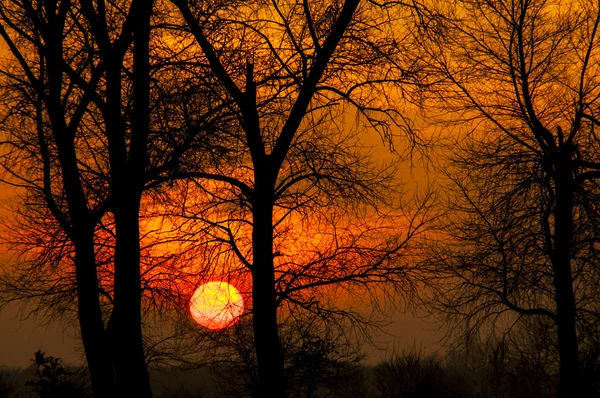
[20, 338]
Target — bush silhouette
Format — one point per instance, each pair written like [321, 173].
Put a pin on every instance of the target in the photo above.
[52, 379]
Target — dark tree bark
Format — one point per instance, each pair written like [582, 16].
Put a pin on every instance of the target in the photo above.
[98, 147]
[115, 354]
[303, 72]
[128, 165]
[93, 334]
[533, 157]
[566, 307]
[266, 170]
[79, 221]
[93, 136]
[264, 301]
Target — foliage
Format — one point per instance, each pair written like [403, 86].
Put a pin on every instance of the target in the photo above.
[316, 362]
[53, 380]
[319, 366]
[408, 374]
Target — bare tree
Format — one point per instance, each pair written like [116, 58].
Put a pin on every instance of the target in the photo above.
[520, 78]
[285, 66]
[84, 145]
[292, 89]
[38, 46]
[127, 159]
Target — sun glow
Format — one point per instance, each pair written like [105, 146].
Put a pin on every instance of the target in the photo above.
[216, 305]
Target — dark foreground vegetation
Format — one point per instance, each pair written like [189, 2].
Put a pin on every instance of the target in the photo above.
[490, 370]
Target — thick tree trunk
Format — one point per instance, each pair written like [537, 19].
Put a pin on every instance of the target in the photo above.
[563, 280]
[128, 169]
[93, 334]
[271, 375]
[126, 321]
[81, 232]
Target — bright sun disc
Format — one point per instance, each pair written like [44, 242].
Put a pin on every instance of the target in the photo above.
[216, 305]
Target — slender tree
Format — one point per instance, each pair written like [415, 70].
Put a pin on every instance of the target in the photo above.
[127, 161]
[521, 77]
[73, 102]
[282, 64]
[55, 114]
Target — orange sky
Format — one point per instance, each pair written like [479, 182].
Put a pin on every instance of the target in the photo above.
[20, 338]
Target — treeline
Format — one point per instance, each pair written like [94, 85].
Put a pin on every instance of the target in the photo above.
[158, 144]
[486, 371]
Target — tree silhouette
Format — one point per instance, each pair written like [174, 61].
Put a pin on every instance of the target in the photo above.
[7, 386]
[102, 112]
[319, 366]
[77, 124]
[37, 94]
[520, 77]
[317, 361]
[52, 379]
[410, 373]
[285, 66]
[127, 159]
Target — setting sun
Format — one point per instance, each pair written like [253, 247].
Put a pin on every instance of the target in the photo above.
[216, 305]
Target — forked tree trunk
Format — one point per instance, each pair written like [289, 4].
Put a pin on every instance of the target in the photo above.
[127, 168]
[271, 373]
[81, 232]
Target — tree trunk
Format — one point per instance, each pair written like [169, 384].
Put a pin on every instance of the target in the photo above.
[563, 280]
[271, 375]
[126, 321]
[93, 334]
[127, 169]
[81, 232]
